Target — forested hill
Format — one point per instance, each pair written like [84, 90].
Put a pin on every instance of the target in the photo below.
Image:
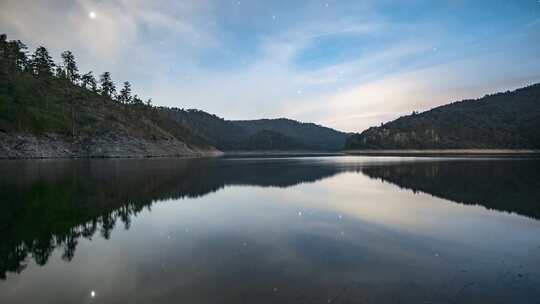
[509, 120]
[261, 134]
[309, 134]
[50, 109]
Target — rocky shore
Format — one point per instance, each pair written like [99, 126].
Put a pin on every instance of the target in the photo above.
[27, 146]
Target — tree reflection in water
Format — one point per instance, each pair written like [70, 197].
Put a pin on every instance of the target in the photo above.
[53, 204]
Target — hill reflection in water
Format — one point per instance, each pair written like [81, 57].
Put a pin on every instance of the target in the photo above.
[53, 204]
[503, 185]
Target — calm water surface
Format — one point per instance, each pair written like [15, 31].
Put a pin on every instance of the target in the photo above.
[270, 230]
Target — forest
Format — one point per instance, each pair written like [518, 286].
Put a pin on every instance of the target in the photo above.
[46, 99]
[508, 120]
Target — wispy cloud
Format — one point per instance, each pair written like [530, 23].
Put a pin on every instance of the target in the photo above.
[346, 64]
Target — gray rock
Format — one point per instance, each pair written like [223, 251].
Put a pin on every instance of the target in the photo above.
[15, 146]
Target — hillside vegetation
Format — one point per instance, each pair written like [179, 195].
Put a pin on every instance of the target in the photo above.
[509, 120]
[310, 135]
[261, 134]
[49, 109]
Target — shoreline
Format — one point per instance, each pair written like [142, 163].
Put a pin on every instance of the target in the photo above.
[446, 152]
[281, 153]
[195, 155]
[54, 146]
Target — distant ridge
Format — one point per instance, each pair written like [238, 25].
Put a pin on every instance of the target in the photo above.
[261, 134]
[509, 120]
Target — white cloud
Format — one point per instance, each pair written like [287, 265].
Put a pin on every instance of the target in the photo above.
[368, 104]
[157, 45]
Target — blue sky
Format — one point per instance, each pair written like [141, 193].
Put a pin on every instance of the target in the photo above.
[345, 64]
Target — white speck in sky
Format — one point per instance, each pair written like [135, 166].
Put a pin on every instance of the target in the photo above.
[299, 213]
[92, 294]
[299, 92]
[92, 15]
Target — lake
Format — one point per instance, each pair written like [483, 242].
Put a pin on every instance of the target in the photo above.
[335, 229]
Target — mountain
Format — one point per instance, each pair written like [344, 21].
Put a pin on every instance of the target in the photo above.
[48, 109]
[265, 140]
[54, 118]
[509, 120]
[221, 133]
[86, 125]
[311, 135]
[262, 134]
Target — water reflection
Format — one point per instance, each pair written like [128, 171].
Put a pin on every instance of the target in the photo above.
[504, 185]
[250, 237]
[49, 204]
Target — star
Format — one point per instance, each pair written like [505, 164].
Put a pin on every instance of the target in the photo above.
[92, 15]
[93, 294]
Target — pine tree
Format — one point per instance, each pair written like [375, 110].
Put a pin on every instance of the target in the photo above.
[108, 89]
[12, 55]
[59, 72]
[125, 94]
[70, 67]
[88, 81]
[137, 100]
[42, 63]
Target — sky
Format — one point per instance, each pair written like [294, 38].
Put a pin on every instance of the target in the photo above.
[348, 65]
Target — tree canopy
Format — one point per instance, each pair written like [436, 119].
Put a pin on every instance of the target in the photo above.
[509, 120]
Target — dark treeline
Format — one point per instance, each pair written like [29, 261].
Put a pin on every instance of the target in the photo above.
[41, 97]
[15, 60]
[509, 120]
